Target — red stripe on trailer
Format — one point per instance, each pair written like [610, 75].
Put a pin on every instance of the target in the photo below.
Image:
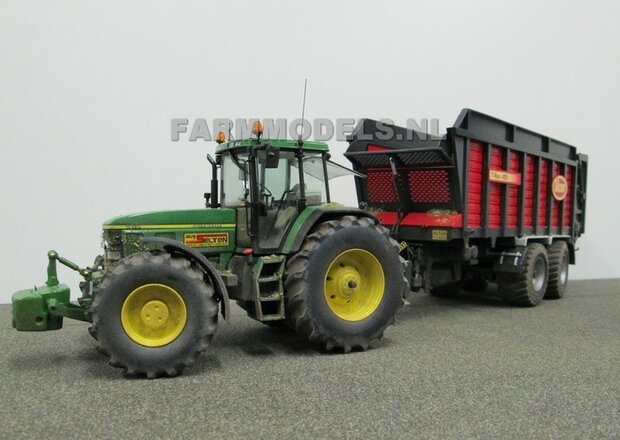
[425, 219]
[514, 167]
[568, 201]
[543, 193]
[528, 186]
[474, 186]
[495, 189]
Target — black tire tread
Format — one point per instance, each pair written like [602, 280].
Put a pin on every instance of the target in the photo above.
[516, 288]
[555, 288]
[450, 290]
[475, 284]
[297, 315]
[189, 270]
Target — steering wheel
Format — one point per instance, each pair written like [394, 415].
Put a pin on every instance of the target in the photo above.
[284, 196]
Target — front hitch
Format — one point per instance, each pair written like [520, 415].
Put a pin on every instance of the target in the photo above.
[44, 307]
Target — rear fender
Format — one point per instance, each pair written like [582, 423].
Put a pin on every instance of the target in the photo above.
[304, 224]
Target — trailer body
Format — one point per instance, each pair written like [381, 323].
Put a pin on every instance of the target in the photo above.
[473, 199]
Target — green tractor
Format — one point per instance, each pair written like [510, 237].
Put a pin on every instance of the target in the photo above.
[269, 238]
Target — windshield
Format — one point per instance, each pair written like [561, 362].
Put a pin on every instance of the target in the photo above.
[313, 166]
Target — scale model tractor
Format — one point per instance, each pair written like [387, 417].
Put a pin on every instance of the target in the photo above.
[487, 202]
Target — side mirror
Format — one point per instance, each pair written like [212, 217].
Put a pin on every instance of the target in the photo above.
[272, 157]
[211, 199]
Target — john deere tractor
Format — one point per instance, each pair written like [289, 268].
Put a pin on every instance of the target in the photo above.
[269, 238]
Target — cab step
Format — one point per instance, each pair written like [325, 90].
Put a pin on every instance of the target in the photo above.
[268, 288]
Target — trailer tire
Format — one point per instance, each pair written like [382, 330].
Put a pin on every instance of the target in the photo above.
[450, 290]
[527, 287]
[558, 270]
[477, 284]
[153, 314]
[345, 285]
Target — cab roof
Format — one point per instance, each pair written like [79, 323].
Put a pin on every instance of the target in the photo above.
[283, 144]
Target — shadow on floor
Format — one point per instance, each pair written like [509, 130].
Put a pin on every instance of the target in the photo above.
[252, 338]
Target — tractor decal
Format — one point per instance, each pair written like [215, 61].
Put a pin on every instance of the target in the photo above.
[206, 239]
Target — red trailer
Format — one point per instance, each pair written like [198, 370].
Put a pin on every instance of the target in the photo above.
[489, 201]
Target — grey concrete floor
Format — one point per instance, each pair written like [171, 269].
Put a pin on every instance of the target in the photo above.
[472, 367]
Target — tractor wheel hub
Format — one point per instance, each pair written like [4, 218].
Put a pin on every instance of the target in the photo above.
[155, 314]
[354, 284]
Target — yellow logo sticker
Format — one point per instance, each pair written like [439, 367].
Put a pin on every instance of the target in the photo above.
[206, 239]
[505, 177]
[439, 234]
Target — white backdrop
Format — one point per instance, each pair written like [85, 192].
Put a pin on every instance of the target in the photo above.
[87, 92]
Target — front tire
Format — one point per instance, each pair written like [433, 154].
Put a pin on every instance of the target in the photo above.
[153, 314]
[345, 285]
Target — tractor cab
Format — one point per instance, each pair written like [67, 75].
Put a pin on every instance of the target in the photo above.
[269, 182]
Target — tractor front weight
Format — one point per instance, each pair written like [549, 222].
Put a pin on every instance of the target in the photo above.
[44, 307]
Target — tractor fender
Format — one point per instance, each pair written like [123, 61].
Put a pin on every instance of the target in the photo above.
[317, 216]
[203, 262]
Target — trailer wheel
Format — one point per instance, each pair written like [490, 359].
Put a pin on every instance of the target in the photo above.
[345, 285]
[558, 270]
[527, 288]
[153, 314]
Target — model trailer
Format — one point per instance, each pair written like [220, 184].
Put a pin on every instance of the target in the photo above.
[489, 201]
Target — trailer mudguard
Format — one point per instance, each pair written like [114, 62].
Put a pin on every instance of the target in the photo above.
[191, 254]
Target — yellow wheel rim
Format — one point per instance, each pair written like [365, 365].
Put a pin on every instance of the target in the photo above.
[153, 315]
[354, 285]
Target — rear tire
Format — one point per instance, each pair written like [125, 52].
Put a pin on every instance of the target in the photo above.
[345, 285]
[558, 270]
[153, 314]
[527, 288]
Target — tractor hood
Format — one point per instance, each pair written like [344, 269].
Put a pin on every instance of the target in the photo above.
[210, 231]
[180, 219]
